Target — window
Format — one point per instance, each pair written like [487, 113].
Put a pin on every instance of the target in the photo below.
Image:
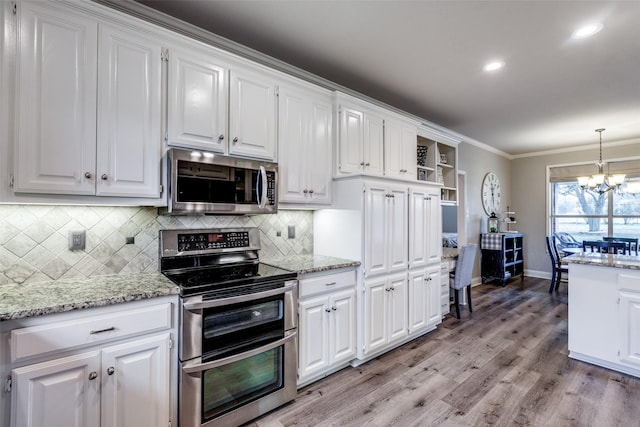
[591, 216]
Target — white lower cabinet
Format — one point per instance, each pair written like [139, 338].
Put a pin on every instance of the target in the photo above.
[327, 324]
[125, 385]
[135, 389]
[385, 311]
[58, 393]
[445, 299]
[604, 317]
[424, 299]
[105, 381]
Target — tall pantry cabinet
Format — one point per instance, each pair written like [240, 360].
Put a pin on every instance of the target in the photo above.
[392, 227]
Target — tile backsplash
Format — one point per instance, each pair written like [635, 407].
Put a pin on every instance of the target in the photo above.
[34, 239]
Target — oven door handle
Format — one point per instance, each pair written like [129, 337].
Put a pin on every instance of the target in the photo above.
[195, 368]
[191, 306]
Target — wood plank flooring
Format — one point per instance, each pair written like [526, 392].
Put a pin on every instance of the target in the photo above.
[505, 364]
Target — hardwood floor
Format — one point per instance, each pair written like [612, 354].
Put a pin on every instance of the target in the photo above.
[505, 364]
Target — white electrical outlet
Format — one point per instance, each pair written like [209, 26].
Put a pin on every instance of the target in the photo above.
[77, 240]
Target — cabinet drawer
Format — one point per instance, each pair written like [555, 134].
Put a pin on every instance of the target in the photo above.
[59, 336]
[308, 286]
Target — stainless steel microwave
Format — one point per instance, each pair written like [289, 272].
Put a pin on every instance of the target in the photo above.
[207, 183]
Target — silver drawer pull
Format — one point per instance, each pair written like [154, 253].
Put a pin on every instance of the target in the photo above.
[100, 331]
[330, 284]
[93, 375]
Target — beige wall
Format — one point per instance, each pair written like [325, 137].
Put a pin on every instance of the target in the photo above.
[477, 162]
[529, 195]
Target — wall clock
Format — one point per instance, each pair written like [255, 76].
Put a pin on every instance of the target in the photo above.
[491, 193]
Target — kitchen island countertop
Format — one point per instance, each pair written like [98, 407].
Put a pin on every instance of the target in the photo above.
[305, 264]
[40, 298]
[604, 260]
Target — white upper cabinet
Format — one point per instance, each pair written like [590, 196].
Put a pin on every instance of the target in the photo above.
[57, 78]
[360, 140]
[304, 144]
[400, 148]
[89, 116]
[129, 114]
[424, 226]
[374, 141]
[197, 110]
[220, 104]
[252, 114]
[385, 228]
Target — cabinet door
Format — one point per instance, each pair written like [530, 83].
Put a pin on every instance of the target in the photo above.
[375, 236]
[129, 114]
[396, 222]
[393, 149]
[376, 314]
[56, 75]
[318, 155]
[252, 115]
[351, 140]
[293, 144]
[197, 95]
[313, 344]
[58, 393]
[409, 138]
[304, 142]
[343, 326]
[434, 295]
[418, 227]
[398, 306]
[136, 383]
[630, 327]
[373, 148]
[433, 231]
[418, 300]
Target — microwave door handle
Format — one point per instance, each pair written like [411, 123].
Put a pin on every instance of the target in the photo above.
[262, 198]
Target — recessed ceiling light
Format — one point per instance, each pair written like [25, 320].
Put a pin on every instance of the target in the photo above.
[493, 65]
[587, 31]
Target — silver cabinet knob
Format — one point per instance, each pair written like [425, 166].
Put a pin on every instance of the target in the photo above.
[88, 175]
[235, 139]
[367, 164]
[327, 310]
[361, 163]
[305, 191]
[334, 308]
[104, 177]
[93, 375]
[310, 191]
[111, 370]
[221, 137]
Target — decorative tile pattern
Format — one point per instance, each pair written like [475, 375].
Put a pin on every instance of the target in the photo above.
[34, 239]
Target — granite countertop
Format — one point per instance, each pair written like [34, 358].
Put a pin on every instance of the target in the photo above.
[304, 264]
[604, 260]
[36, 299]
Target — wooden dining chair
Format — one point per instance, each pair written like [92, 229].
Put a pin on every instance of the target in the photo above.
[556, 264]
[605, 247]
[631, 243]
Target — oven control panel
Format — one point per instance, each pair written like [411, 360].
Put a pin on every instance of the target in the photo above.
[213, 240]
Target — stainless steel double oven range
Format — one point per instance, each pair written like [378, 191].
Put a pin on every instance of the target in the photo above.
[238, 344]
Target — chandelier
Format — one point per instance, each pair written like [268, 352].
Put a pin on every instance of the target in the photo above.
[600, 183]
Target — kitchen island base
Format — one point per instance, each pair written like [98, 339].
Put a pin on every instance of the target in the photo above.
[604, 313]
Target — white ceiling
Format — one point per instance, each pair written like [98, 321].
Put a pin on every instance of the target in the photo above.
[426, 57]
